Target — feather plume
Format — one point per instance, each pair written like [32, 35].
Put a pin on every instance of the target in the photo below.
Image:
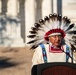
[69, 27]
[71, 32]
[72, 47]
[33, 32]
[31, 36]
[46, 18]
[41, 21]
[59, 18]
[33, 47]
[37, 25]
[65, 22]
[31, 41]
[49, 23]
[34, 28]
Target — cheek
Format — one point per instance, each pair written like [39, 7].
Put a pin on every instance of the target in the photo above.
[52, 40]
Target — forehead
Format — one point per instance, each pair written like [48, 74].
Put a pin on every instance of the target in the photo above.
[56, 36]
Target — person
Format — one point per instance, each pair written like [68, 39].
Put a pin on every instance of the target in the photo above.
[53, 47]
[54, 51]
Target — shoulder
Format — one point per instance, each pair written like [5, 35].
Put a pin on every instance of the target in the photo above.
[67, 47]
[45, 45]
[39, 48]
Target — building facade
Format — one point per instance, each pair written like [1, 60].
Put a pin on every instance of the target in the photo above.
[17, 17]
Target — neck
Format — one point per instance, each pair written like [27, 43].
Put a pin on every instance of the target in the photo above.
[59, 46]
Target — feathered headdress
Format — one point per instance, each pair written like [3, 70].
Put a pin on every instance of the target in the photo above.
[52, 24]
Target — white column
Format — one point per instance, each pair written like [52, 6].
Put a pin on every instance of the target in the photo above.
[54, 6]
[0, 6]
[29, 16]
[14, 28]
[46, 8]
[12, 13]
[69, 6]
[12, 7]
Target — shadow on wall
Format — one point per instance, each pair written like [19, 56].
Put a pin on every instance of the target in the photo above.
[8, 29]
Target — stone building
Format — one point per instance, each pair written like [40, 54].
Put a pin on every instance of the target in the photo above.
[17, 16]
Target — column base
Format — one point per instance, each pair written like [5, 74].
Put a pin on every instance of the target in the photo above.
[12, 42]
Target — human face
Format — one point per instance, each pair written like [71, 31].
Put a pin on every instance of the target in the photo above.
[55, 40]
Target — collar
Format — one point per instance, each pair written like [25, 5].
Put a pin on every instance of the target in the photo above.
[54, 49]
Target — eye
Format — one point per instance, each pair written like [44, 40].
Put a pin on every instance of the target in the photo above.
[60, 36]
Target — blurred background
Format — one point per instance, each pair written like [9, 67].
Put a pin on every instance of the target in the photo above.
[16, 19]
